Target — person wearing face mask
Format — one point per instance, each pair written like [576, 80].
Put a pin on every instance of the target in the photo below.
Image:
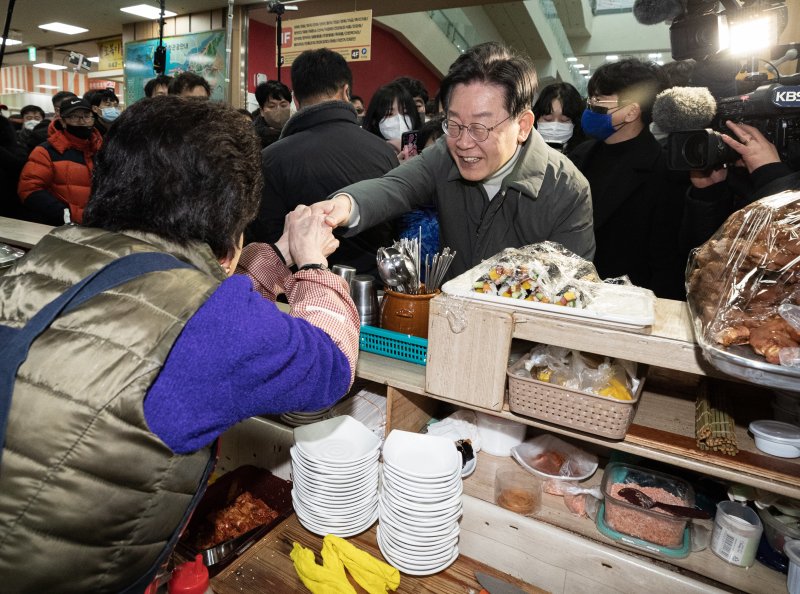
[321, 149]
[391, 112]
[637, 203]
[105, 107]
[274, 108]
[558, 116]
[34, 127]
[55, 183]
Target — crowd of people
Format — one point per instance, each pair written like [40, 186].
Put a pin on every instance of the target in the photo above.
[547, 163]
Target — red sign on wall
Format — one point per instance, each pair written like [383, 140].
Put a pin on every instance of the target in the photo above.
[103, 84]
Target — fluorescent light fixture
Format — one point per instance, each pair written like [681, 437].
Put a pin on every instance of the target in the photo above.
[578, 66]
[11, 41]
[48, 66]
[147, 12]
[46, 86]
[586, 76]
[94, 59]
[13, 90]
[62, 28]
[612, 58]
[572, 59]
[750, 36]
[584, 71]
[660, 62]
[653, 56]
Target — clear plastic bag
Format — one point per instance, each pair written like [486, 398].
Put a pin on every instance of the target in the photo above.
[738, 279]
[553, 458]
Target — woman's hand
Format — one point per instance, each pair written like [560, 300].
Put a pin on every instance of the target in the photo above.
[310, 238]
[754, 148]
[704, 179]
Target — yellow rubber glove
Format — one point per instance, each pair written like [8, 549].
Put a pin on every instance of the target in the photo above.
[372, 574]
[328, 578]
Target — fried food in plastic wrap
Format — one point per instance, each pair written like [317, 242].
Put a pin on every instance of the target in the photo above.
[244, 514]
[739, 278]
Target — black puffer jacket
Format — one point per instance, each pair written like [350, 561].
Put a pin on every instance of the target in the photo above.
[321, 150]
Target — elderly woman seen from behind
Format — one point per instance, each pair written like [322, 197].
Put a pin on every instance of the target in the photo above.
[117, 405]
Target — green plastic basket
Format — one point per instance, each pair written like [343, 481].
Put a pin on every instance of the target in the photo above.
[394, 344]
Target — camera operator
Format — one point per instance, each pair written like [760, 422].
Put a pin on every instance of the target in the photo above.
[716, 194]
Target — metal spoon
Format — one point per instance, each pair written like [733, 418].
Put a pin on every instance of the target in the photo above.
[387, 269]
[642, 499]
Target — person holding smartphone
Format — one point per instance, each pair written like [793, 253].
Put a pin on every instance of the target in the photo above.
[391, 113]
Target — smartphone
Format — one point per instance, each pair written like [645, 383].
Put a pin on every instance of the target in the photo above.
[409, 139]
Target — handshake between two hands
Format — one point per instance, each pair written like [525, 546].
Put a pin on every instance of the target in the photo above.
[308, 232]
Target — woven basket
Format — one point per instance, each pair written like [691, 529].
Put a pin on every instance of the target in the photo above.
[590, 413]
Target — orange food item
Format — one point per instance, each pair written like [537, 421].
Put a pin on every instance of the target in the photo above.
[548, 462]
[244, 514]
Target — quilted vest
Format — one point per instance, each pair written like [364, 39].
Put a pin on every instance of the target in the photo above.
[89, 496]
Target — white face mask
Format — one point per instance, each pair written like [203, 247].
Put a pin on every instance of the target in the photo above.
[31, 124]
[393, 126]
[556, 132]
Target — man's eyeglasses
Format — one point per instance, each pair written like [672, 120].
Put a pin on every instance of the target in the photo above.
[79, 118]
[478, 132]
[594, 105]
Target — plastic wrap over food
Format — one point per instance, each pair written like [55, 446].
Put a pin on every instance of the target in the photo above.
[738, 279]
[543, 272]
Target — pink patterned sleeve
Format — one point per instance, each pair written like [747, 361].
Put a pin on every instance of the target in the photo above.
[317, 296]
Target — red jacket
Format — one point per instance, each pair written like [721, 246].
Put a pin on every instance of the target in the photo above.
[59, 171]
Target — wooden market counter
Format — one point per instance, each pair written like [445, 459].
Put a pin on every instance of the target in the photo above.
[555, 551]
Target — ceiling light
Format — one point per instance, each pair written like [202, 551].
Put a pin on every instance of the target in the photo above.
[653, 56]
[13, 90]
[62, 28]
[48, 66]
[586, 76]
[146, 11]
[612, 58]
[572, 59]
[11, 41]
[584, 71]
[46, 86]
[578, 66]
[94, 59]
[660, 62]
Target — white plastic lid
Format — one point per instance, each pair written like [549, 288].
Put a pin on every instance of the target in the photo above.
[776, 431]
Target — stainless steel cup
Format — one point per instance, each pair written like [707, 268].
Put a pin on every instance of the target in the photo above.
[346, 272]
[364, 291]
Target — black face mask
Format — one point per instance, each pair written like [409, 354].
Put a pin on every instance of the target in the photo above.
[81, 132]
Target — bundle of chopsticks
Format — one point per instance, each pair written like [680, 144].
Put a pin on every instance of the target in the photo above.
[714, 426]
[435, 267]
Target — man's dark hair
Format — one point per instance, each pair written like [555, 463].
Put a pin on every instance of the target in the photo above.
[357, 98]
[186, 81]
[495, 64]
[96, 96]
[632, 80]
[162, 80]
[430, 130]
[319, 73]
[414, 86]
[60, 96]
[679, 72]
[381, 104]
[272, 89]
[197, 179]
[32, 109]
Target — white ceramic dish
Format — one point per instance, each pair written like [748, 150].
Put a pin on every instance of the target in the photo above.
[328, 519]
[405, 494]
[421, 532]
[421, 540]
[777, 438]
[438, 486]
[413, 556]
[350, 492]
[338, 467]
[430, 545]
[469, 467]
[336, 480]
[421, 456]
[341, 506]
[321, 530]
[410, 569]
[420, 507]
[429, 482]
[340, 439]
[337, 498]
[408, 521]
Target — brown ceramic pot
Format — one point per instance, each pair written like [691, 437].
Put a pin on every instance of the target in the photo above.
[406, 313]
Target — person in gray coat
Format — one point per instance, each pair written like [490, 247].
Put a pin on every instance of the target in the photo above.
[494, 181]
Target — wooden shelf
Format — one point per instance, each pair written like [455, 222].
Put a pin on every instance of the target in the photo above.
[21, 233]
[756, 579]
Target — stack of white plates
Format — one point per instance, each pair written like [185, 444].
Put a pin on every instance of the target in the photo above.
[297, 419]
[420, 502]
[335, 471]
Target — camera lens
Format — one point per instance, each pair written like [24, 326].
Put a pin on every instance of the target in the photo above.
[695, 150]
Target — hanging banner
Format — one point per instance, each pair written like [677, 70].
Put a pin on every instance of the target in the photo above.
[200, 53]
[349, 34]
[110, 52]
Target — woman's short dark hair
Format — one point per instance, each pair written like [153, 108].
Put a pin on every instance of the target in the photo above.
[494, 63]
[381, 105]
[181, 168]
[430, 130]
[572, 106]
[632, 80]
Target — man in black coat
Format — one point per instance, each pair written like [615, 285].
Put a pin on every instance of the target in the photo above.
[322, 148]
[637, 203]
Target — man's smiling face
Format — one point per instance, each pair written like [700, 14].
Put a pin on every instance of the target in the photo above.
[483, 103]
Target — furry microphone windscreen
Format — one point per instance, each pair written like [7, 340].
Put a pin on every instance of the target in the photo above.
[652, 12]
[684, 108]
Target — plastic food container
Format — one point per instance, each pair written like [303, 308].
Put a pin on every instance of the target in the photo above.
[792, 550]
[737, 530]
[777, 438]
[518, 491]
[499, 435]
[553, 458]
[651, 525]
[779, 527]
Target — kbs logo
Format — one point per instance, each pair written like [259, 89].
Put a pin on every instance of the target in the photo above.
[287, 38]
[787, 95]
